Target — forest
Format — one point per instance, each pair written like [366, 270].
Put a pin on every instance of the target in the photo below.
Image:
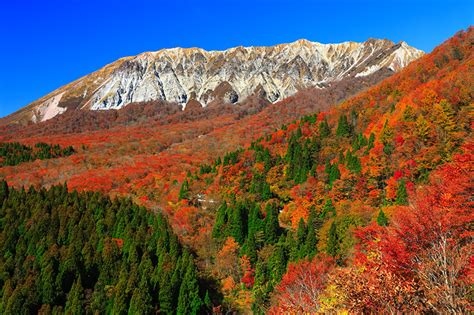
[292, 207]
[14, 153]
[84, 253]
[366, 208]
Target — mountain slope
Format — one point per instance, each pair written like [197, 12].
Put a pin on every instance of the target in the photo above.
[179, 75]
[325, 188]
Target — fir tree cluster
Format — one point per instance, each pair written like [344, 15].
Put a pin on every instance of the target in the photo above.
[14, 153]
[84, 253]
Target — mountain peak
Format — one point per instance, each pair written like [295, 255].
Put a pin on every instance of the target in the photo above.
[178, 74]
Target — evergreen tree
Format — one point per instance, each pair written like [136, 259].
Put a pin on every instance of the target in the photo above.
[324, 129]
[184, 191]
[422, 129]
[165, 297]
[75, 299]
[207, 302]
[237, 225]
[353, 162]
[301, 232]
[120, 254]
[301, 238]
[189, 301]
[3, 191]
[272, 226]
[370, 143]
[221, 221]
[332, 243]
[277, 263]
[251, 248]
[311, 239]
[328, 207]
[382, 220]
[140, 303]
[402, 195]
[334, 174]
[343, 128]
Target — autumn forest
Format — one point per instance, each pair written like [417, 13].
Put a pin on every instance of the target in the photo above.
[351, 199]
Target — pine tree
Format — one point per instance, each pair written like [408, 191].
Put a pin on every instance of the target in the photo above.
[402, 195]
[332, 242]
[237, 225]
[327, 167]
[422, 129]
[272, 226]
[334, 174]
[3, 191]
[140, 303]
[207, 302]
[311, 239]
[184, 191]
[250, 248]
[301, 238]
[165, 297]
[324, 129]
[299, 133]
[353, 163]
[370, 144]
[266, 193]
[301, 232]
[277, 262]
[382, 220]
[328, 207]
[343, 128]
[189, 301]
[75, 299]
[221, 220]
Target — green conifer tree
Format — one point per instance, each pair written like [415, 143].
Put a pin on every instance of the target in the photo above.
[184, 191]
[402, 195]
[272, 226]
[343, 128]
[75, 299]
[324, 129]
[382, 219]
[332, 243]
[218, 230]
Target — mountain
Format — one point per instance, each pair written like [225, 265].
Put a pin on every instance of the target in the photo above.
[364, 208]
[181, 75]
[323, 202]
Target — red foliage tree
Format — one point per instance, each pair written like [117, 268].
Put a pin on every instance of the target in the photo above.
[302, 285]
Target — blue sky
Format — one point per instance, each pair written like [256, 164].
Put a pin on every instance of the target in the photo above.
[46, 44]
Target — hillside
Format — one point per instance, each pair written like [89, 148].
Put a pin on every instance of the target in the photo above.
[325, 201]
[371, 196]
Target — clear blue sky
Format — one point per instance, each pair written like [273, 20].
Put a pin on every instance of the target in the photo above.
[46, 44]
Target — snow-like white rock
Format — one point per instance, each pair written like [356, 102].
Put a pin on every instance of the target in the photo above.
[179, 74]
[49, 109]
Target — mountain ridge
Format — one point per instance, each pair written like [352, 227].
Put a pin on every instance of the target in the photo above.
[183, 74]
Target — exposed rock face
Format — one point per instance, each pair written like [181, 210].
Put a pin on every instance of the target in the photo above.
[181, 74]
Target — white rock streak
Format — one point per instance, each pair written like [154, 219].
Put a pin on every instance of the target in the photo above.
[49, 109]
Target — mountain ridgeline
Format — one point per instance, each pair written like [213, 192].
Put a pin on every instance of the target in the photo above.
[181, 75]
